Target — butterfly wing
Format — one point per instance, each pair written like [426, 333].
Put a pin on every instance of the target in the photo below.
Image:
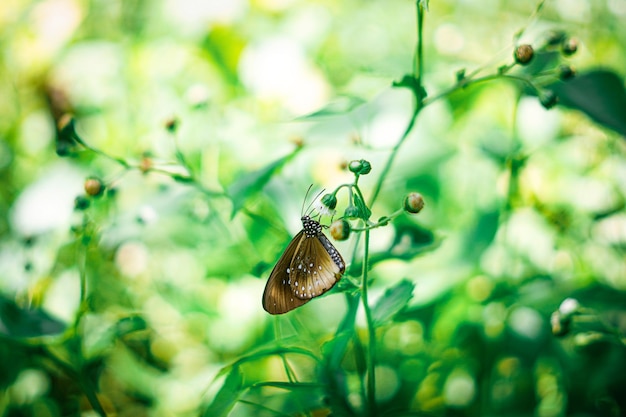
[315, 268]
[278, 297]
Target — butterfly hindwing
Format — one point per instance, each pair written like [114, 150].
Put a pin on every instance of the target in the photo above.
[278, 298]
[314, 270]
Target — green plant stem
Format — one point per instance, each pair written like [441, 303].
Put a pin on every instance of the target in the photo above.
[371, 358]
[418, 65]
[392, 156]
[418, 72]
[466, 82]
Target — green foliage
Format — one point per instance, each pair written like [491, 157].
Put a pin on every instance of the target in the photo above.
[141, 217]
[600, 94]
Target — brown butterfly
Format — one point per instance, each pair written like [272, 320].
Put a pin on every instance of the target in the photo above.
[308, 268]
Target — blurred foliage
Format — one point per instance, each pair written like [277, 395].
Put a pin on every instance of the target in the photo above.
[154, 157]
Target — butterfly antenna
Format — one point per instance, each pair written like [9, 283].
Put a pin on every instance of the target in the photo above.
[304, 201]
[311, 208]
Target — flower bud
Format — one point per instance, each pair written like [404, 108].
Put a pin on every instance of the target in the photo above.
[413, 203]
[555, 37]
[384, 221]
[94, 187]
[330, 201]
[171, 124]
[524, 54]
[548, 98]
[566, 72]
[366, 167]
[361, 167]
[81, 203]
[569, 46]
[352, 212]
[355, 166]
[340, 229]
[146, 164]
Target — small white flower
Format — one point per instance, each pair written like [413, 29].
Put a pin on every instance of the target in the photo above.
[324, 210]
[569, 306]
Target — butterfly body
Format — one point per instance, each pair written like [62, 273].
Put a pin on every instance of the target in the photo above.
[308, 268]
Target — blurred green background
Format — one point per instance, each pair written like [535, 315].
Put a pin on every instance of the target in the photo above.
[208, 120]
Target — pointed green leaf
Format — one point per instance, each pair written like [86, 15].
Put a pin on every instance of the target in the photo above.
[253, 182]
[392, 302]
[227, 396]
[340, 105]
[18, 322]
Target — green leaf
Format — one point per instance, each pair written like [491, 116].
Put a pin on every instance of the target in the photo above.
[413, 84]
[127, 325]
[253, 182]
[227, 396]
[392, 302]
[482, 234]
[17, 322]
[600, 94]
[66, 143]
[340, 105]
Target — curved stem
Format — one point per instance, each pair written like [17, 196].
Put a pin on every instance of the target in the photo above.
[418, 72]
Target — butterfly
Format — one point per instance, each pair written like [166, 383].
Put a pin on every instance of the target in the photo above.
[308, 268]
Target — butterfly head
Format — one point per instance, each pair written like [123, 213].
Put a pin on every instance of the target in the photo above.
[311, 227]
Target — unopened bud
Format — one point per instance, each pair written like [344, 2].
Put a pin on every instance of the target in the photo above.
[524, 54]
[340, 229]
[94, 187]
[413, 203]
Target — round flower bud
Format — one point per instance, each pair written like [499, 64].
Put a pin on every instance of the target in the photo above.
[81, 203]
[566, 72]
[413, 203]
[361, 167]
[94, 187]
[366, 167]
[355, 166]
[524, 54]
[555, 37]
[330, 201]
[340, 229]
[146, 164]
[352, 212]
[548, 98]
[171, 124]
[569, 46]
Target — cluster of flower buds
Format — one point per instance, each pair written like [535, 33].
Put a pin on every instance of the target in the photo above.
[340, 229]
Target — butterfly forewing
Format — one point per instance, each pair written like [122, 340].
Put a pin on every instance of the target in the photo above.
[309, 267]
[278, 298]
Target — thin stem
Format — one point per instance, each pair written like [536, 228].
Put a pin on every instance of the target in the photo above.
[393, 155]
[467, 82]
[418, 68]
[371, 359]
[101, 153]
